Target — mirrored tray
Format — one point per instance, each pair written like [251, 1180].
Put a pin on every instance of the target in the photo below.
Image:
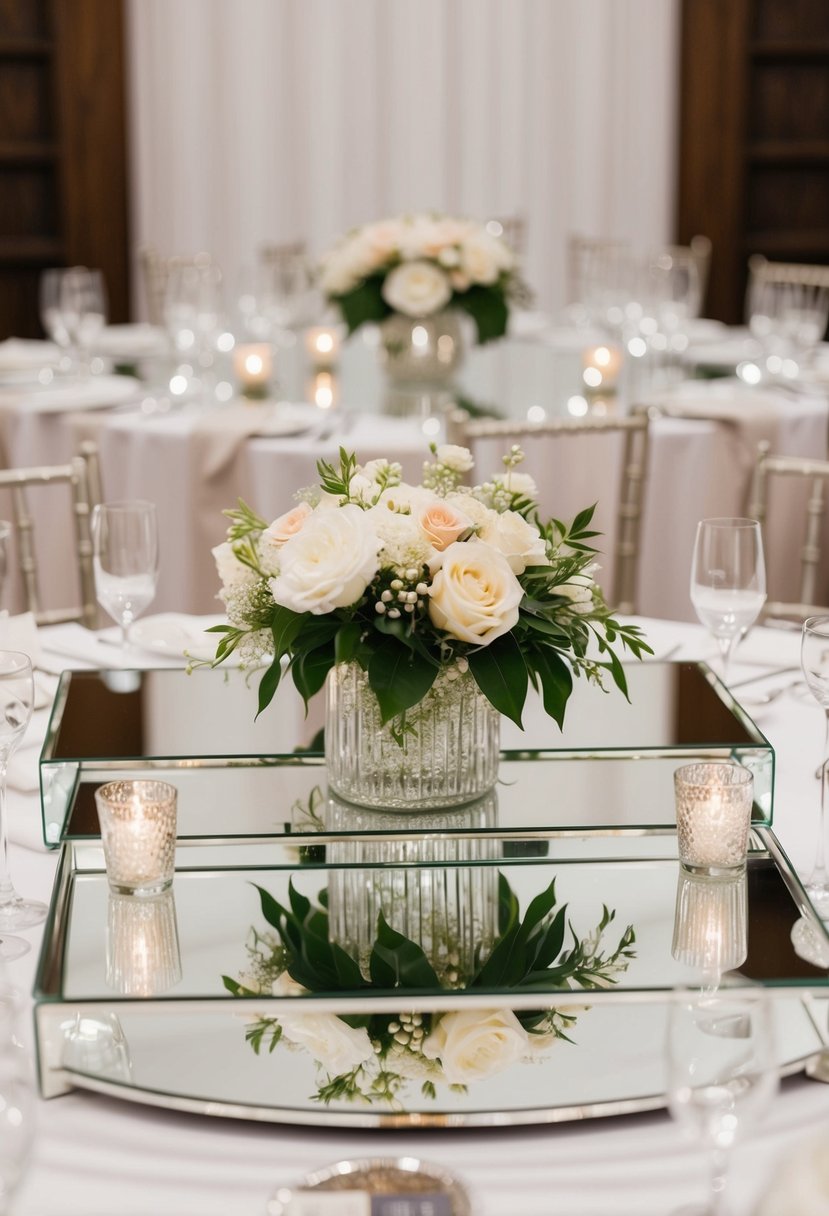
[237, 776]
[177, 1001]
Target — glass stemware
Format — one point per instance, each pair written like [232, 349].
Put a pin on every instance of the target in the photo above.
[5, 542]
[125, 557]
[728, 580]
[721, 1072]
[16, 703]
[814, 659]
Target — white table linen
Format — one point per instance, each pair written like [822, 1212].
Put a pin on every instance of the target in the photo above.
[94, 1156]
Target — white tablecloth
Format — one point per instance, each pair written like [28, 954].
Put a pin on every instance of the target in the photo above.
[96, 1156]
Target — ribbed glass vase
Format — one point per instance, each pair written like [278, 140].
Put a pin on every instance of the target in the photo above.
[441, 752]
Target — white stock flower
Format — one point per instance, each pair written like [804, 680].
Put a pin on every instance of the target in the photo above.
[334, 1044]
[454, 457]
[329, 563]
[405, 545]
[519, 483]
[417, 289]
[231, 571]
[474, 595]
[520, 542]
[474, 1044]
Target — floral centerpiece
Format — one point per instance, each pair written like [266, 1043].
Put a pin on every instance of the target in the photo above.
[433, 606]
[371, 1057]
[419, 266]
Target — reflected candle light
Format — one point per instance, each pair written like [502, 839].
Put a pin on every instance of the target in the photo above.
[601, 366]
[138, 834]
[253, 367]
[322, 390]
[323, 346]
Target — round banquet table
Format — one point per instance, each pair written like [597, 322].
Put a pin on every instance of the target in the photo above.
[94, 1156]
[194, 461]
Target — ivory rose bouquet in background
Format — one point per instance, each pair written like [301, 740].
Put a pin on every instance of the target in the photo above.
[416, 583]
[419, 265]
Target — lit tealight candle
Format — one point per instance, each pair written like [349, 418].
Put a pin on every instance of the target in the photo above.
[713, 813]
[322, 390]
[138, 834]
[253, 367]
[323, 346]
[601, 367]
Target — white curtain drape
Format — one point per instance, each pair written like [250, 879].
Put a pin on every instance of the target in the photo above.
[276, 120]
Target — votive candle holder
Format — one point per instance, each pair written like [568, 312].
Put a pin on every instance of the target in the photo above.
[713, 814]
[143, 957]
[138, 833]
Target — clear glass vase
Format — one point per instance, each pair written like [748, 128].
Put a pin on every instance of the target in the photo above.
[442, 752]
[419, 884]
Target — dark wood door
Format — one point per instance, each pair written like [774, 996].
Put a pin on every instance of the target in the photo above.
[63, 151]
[754, 136]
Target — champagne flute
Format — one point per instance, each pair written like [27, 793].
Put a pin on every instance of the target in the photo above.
[728, 580]
[814, 659]
[16, 703]
[721, 1071]
[125, 558]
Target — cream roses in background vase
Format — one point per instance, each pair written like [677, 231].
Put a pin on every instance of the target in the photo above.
[432, 606]
[415, 275]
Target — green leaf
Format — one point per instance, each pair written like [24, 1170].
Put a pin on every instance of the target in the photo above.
[488, 309]
[364, 303]
[233, 986]
[269, 684]
[285, 627]
[407, 961]
[309, 671]
[501, 674]
[556, 680]
[549, 942]
[346, 641]
[316, 631]
[398, 677]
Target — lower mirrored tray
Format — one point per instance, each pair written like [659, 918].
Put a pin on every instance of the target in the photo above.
[499, 989]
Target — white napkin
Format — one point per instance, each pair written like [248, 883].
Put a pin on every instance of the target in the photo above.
[96, 392]
[27, 354]
[20, 633]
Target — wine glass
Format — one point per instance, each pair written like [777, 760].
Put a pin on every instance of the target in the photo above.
[16, 702]
[125, 557]
[721, 1071]
[728, 580]
[814, 659]
[5, 543]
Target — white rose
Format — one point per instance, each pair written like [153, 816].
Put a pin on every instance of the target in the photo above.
[405, 498]
[474, 1044]
[231, 571]
[474, 595]
[334, 1044]
[520, 542]
[417, 289]
[329, 564]
[454, 457]
[579, 591]
[480, 258]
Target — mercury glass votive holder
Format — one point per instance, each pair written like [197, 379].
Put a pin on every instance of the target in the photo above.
[138, 833]
[713, 814]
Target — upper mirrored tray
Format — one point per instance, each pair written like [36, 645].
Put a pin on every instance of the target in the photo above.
[238, 776]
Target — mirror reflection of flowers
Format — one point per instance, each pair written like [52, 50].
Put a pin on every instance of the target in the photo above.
[419, 265]
[370, 1057]
[419, 584]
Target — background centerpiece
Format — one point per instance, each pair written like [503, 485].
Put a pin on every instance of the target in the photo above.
[430, 608]
[414, 275]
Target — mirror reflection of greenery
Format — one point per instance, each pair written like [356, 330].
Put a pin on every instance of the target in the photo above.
[371, 1057]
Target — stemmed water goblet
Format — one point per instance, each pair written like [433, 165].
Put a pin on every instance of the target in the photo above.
[721, 1072]
[728, 580]
[16, 703]
[125, 559]
[814, 660]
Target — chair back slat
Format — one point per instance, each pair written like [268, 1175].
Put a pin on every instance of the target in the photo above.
[22, 482]
[634, 430]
